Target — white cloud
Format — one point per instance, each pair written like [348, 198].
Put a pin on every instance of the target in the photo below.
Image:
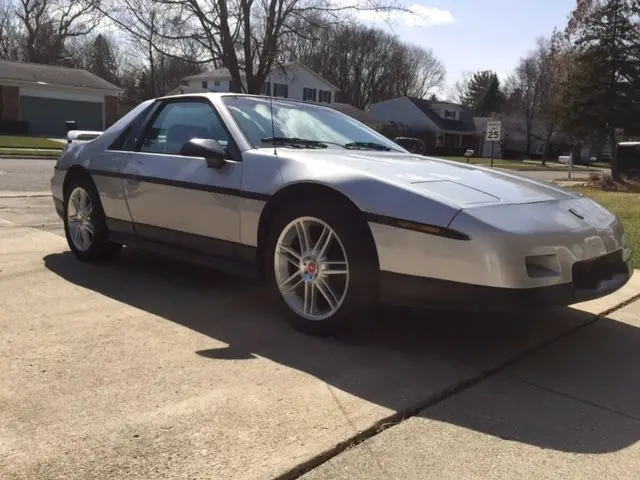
[416, 16]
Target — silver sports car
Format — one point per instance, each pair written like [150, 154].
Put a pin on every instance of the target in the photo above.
[334, 216]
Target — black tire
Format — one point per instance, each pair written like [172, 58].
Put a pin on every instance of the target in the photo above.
[101, 249]
[362, 291]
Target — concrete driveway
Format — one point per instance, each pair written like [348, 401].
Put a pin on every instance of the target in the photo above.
[152, 369]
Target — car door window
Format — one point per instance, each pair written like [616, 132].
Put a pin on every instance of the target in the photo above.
[179, 122]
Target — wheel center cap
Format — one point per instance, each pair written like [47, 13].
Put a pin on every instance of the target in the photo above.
[310, 269]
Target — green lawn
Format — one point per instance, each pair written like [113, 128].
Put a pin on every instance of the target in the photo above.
[627, 207]
[529, 165]
[14, 141]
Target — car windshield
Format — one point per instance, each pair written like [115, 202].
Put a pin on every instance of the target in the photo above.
[301, 125]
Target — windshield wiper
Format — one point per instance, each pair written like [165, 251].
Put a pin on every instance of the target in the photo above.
[294, 142]
[368, 146]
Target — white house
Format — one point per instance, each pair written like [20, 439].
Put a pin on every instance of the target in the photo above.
[292, 80]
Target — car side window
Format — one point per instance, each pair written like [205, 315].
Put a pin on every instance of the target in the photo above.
[179, 122]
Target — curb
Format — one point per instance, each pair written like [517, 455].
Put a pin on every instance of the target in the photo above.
[14, 194]
[29, 157]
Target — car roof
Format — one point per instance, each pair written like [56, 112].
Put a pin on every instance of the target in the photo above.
[235, 94]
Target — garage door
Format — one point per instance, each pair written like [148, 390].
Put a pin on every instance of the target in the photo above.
[46, 116]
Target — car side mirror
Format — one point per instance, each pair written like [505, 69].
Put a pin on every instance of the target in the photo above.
[208, 148]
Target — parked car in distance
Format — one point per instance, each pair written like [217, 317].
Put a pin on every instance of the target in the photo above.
[332, 215]
[413, 145]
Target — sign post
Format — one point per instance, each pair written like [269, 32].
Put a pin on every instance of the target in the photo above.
[494, 134]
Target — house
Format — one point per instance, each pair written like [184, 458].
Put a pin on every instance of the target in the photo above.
[447, 128]
[40, 98]
[362, 116]
[292, 80]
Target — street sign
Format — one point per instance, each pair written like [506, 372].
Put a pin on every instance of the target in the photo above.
[494, 131]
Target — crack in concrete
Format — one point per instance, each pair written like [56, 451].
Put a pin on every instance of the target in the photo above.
[399, 417]
[571, 397]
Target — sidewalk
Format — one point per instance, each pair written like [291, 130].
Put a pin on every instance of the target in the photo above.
[571, 410]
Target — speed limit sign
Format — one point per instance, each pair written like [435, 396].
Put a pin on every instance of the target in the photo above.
[494, 130]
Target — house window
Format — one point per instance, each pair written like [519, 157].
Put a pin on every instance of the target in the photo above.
[440, 140]
[450, 114]
[265, 89]
[281, 90]
[205, 84]
[309, 94]
[216, 83]
[324, 96]
[185, 83]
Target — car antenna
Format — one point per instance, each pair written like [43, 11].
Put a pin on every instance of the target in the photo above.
[273, 127]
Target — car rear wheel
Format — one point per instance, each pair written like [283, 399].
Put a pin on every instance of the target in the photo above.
[84, 222]
[321, 266]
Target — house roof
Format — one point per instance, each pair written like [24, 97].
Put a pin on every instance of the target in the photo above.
[465, 124]
[223, 73]
[354, 112]
[40, 74]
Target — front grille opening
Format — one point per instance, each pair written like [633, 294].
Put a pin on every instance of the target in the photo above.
[588, 273]
[542, 266]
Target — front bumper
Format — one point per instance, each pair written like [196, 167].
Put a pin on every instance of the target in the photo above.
[57, 181]
[59, 207]
[592, 279]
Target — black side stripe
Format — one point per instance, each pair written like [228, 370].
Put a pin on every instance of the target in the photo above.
[234, 192]
[416, 226]
[371, 217]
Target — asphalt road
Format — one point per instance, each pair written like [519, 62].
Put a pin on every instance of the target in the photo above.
[147, 368]
[25, 175]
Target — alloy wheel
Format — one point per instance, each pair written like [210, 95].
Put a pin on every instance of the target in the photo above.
[311, 268]
[80, 219]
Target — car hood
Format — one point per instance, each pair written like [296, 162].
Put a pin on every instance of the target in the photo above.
[459, 183]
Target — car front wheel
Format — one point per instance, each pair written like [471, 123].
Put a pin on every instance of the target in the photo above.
[321, 266]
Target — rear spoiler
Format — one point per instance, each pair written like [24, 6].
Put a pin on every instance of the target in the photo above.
[79, 136]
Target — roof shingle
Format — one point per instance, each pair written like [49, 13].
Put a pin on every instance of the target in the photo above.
[50, 74]
[465, 124]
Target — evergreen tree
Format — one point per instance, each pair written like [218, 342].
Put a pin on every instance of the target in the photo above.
[602, 92]
[102, 61]
[483, 94]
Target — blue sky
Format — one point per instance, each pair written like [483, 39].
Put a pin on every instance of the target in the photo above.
[470, 35]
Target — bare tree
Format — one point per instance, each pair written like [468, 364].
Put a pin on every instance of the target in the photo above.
[9, 44]
[458, 91]
[426, 71]
[154, 36]
[247, 36]
[523, 89]
[46, 25]
[555, 58]
[368, 64]
[533, 90]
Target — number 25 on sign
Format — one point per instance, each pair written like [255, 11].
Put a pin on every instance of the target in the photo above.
[493, 131]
